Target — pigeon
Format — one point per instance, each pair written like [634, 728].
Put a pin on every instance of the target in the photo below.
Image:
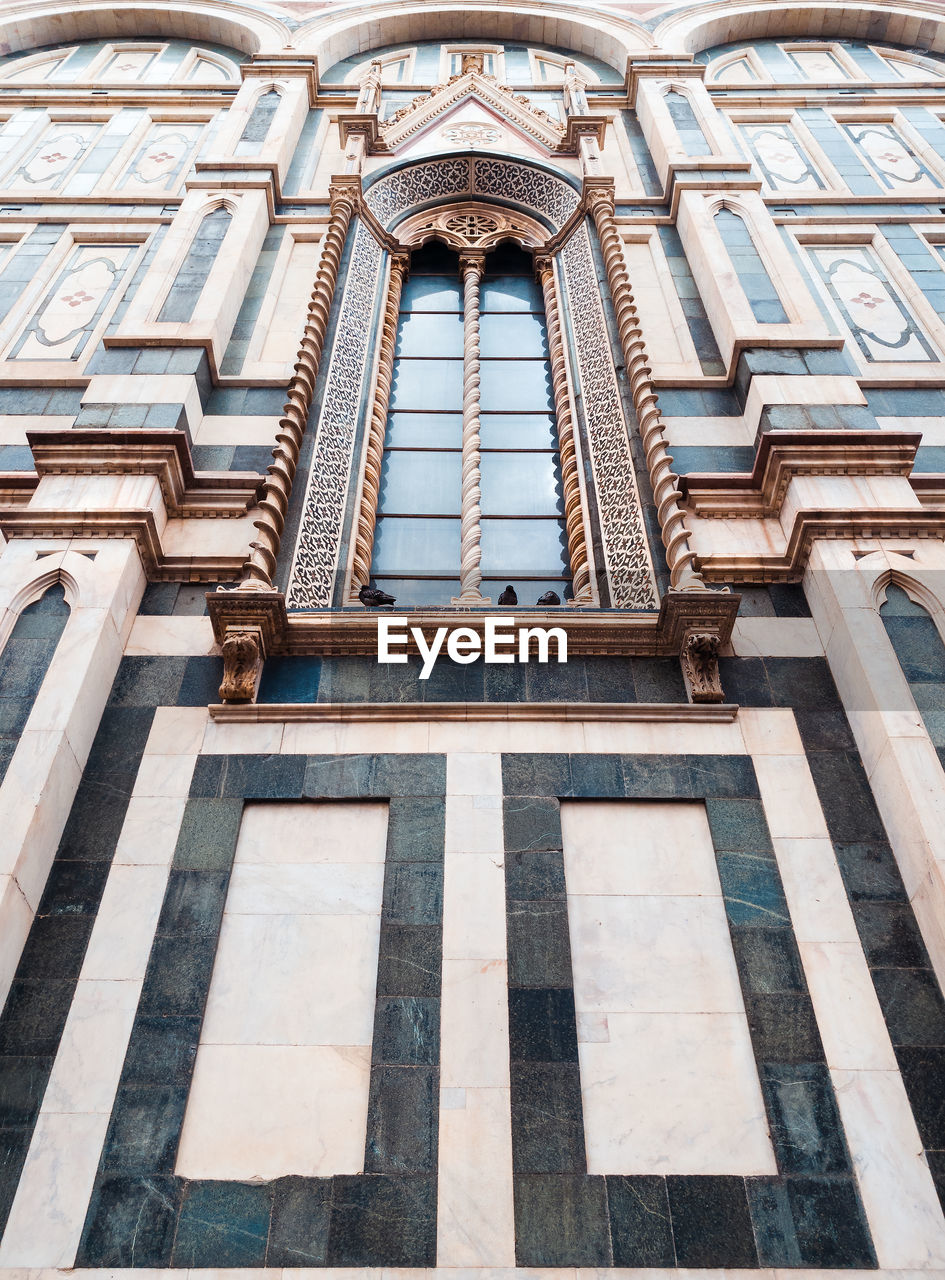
[508, 596]
[549, 598]
[374, 598]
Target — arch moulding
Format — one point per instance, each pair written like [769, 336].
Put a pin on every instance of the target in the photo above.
[239, 27]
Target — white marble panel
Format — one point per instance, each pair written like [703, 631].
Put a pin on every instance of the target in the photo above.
[124, 927]
[48, 1211]
[92, 1050]
[652, 954]
[317, 889]
[313, 980]
[674, 1093]
[647, 847]
[902, 1208]
[262, 1111]
[667, 1070]
[474, 1213]
[342, 831]
[848, 1013]
[474, 1024]
[283, 1068]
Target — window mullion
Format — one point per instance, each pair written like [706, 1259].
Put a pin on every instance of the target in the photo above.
[471, 265]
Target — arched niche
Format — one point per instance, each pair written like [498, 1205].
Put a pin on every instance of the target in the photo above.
[35, 26]
[564, 27]
[698, 27]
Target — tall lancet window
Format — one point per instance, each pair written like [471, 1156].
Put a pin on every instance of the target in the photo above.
[421, 539]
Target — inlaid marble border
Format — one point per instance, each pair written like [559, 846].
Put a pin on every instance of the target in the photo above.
[143, 1215]
[810, 1214]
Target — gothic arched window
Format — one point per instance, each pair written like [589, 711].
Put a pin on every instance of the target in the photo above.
[519, 516]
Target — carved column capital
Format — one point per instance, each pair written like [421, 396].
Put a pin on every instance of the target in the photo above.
[599, 197]
[344, 195]
[472, 262]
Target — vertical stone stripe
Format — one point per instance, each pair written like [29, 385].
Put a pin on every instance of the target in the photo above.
[475, 1225]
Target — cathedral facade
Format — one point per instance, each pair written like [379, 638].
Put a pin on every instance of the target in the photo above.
[404, 869]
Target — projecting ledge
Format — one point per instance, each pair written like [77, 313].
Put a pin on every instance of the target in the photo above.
[378, 712]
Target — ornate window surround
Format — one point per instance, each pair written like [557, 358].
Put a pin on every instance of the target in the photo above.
[253, 619]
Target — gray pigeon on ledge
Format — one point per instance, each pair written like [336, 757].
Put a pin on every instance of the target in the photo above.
[374, 598]
[508, 596]
[549, 598]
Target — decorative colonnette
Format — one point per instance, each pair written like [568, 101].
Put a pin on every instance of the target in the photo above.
[141, 1214]
[811, 1214]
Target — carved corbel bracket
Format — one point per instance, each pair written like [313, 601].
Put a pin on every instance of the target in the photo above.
[248, 625]
[700, 667]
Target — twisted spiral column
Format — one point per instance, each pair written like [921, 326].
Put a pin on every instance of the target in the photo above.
[567, 450]
[683, 576]
[260, 566]
[374, 451]
[471, 266]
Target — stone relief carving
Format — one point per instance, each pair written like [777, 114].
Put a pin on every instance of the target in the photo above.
[544, 194]
[700, 664]
[629, 568]
[315, 564]
[242, 655]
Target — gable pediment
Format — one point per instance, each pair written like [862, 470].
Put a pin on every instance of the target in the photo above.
[473, 104]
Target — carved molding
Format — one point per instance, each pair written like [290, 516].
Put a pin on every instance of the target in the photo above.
[599, 195]
[315, 565]
[543, 195]
[424, 109]
[574, 513]
[471, 224]
[374, 445]
[626, 549]
[782, 455]
[260, 565]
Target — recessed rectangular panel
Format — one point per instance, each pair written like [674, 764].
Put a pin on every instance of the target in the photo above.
[281, 1080]
[668, 1077]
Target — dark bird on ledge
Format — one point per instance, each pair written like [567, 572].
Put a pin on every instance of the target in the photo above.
[374, 598]
[508, 596]
[549, 598]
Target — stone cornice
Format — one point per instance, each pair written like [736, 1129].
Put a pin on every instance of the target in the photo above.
[814, 524]
[138, 524]
[342, 632]
[783, 455]
[163, 454]
[412, 712]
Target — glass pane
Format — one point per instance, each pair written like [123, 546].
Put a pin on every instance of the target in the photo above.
[520, 484]
[424, 431]
[517, 431]
[432, 293]
[405, 545]
[511, 293]
[523, 546]
[510, 385]
[513, 335]
[425, 483]
[423, 333]
[410, 592]
[427, 384]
